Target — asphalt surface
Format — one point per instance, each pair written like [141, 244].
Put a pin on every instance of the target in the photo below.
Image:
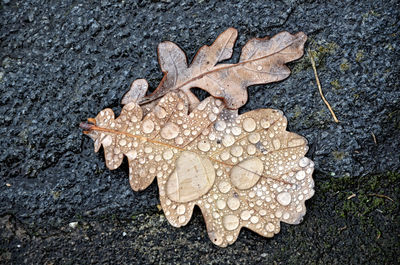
[64, 61]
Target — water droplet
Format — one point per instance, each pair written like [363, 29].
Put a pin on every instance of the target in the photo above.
[236, 131]
[167, 155]
[284, 198]
[286, 216]
[220, 125]
[211, 136]
[300, 175]
[254, 219]
[202, 105]
[230, 222]
[122, 142]
[265, 123]
[212, 117]
[237, 150]
[160, 112]
[224, 155]
[270, 227]
[278, 214]
[303, 162]
[182, 219]
[245, 215]
[228, 140]
[224, 187]
[249, 124]
[148, 149]
[204, 145]
[181, 209]
[131, 154]
[179, 140]
[251, 149]
[180, 106]
[233, 203]
[148, 126]
[254, 138]
[170, 131]
[299, 208]
[221, 204]
[276, 143]
[247, 173]
[193, 177]
[134, 119]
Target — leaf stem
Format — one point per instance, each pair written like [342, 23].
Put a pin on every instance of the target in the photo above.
[319, 86]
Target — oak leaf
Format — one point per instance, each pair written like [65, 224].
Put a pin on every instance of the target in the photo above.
[261, 61]
[241, 170]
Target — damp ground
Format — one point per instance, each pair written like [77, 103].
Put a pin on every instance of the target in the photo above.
[64, 61]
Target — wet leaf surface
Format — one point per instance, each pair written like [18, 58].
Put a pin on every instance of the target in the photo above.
[262, 61]
[241, 170]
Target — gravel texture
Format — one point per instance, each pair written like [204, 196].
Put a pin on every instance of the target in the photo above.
[64, 61]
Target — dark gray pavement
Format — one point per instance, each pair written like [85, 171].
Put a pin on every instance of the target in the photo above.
[64, 61]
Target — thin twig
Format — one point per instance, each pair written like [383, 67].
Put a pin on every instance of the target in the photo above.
[319, 86]
[351, 196]
[374, 137]
[342, 229]
[381, 196]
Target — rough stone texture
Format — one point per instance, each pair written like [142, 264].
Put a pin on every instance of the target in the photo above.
[64, 61]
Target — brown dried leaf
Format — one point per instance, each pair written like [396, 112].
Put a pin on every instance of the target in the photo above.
[262, 61]
[241, 170]
[136, 92]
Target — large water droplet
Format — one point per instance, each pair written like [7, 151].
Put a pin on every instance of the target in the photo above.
[237, 150]
[148, 126]
[270, 227]
[181, 209]
[170, 131]
[204, 146]
[245, 215]
[303, 162]
[249, 124]
[300, 175]
[224, 187]
[228, 140]
[254, 138]
[246, 174]
[284, 198]
[193, 177]
[233, 203]
[230, 222]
